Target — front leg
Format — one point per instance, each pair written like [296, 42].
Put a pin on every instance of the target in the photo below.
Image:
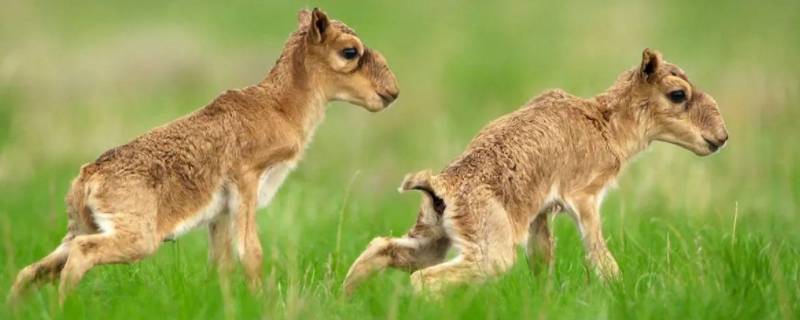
[245, 238]
[219, 244]
[256, 188]
[540, 244]
[586, 212]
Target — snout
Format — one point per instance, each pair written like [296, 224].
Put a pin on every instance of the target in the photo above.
[384, 80]
[706, 117]
[387, 87]
[380, 100]
[388, 97]
[715, 144]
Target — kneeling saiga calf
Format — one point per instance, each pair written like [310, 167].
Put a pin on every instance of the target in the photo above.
[559, 152]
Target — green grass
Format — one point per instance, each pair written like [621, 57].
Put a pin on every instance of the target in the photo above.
[712, 237]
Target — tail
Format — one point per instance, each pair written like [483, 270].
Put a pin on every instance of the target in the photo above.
[77, 211]
[421, 181]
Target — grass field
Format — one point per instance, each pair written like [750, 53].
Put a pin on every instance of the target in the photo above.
[715, 237]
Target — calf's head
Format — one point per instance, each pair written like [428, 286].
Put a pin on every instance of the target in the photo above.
[344, 68]
[674, 110]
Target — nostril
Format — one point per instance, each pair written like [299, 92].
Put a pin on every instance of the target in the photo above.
[387, 97]
[713, 146]
[397, 94]
[723, 139]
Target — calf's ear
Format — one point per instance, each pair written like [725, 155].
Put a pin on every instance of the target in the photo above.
[303, 18]
[319, 26]
[651, 59]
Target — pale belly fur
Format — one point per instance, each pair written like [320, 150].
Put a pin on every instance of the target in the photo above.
[227, 199]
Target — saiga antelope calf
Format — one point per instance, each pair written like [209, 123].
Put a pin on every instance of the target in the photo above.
[216, 165]
[556, 152]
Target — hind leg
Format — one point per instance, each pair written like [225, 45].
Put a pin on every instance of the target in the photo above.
[46, 269]
[131, 238]
[483, 235]
[423, 246]
[474, 264]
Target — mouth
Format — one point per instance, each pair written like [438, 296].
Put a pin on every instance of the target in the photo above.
[713, 146]
[387, 98]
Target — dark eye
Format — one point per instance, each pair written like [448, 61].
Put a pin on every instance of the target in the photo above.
[677, 96]
[349, 53]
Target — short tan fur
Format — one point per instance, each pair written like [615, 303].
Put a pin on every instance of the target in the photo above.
[557, 153]
[217, 165]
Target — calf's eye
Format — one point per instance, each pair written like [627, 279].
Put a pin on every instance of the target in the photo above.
[677, 96]
[349, 53]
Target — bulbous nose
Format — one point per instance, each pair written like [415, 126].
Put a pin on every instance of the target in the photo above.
[715, 143]
[391, 88]
[383, 78]
[393, 94]
[723, 139]
[389, 96]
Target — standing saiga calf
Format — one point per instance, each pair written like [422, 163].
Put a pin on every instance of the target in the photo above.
[558, 152]
[216, 165]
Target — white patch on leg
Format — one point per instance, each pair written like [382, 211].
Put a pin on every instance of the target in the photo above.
[600, 197]
[103, 222]
[552, 196]
[551, 200]
[271, 180]
[234, 201]
[210, 211]
[62, 248]
[611, 184]
[268, 184]
[410, 243]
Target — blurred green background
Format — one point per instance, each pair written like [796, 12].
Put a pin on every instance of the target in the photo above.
[712, 237]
